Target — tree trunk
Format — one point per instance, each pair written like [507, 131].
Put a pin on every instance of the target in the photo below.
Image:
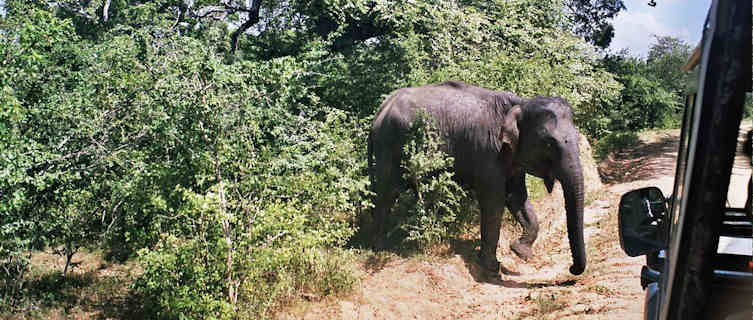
[232, 285]
[69, 251]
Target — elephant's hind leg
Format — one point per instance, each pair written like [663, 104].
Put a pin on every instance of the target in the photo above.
[521, 208]
[491, 222]
[382, 206]
[387, 188]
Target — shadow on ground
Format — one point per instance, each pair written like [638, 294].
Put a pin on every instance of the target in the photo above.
[78, 294]
[634, 163]
[467, 250]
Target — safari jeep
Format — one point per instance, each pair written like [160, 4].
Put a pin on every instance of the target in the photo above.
[697, 245]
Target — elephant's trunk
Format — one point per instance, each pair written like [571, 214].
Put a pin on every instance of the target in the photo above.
[571, 178]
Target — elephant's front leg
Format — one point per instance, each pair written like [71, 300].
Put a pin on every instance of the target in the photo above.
[521, 208]
[491, 214]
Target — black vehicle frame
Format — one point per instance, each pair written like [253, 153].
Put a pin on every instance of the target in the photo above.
[685, 275]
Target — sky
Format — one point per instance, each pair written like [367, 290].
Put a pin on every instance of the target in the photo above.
[635, 27]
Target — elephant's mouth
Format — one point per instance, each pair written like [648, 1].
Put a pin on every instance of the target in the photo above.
[549, 184]
[538, 171]
[547, 174]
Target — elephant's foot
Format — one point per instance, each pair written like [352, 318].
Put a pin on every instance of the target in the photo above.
[487, 262]
[522, 250]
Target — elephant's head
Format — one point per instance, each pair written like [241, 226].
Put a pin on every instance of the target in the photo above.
[547, 147]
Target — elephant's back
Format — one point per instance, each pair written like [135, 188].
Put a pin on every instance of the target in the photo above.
[470, 120]
[465, 114]
[442, 100]
[395, 113]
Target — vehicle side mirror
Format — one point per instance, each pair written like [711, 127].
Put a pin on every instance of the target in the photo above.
[641, 221]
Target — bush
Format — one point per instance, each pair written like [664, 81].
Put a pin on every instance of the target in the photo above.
[616, 141]
[14, 264]
[183, 278]
[271, 254]
[437, 208]
[236, 178]
[155, 146]
[39, 182]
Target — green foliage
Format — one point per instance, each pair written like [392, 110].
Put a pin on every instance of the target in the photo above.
[615, 141]
[266, 179]
[109, 154]
[438, 207]
[748, 109]
[664, 62]
[235, 178]
[275, 253]
[516, 46]
[591, 19]
[652, 89]
[645, 104]
[38, 187]
[536, 188]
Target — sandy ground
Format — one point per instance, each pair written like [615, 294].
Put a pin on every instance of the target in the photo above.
[452, 286]
[740, 173]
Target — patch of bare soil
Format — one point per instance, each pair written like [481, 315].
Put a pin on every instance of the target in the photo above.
[453, 286]
[654, 157]
[92, 289]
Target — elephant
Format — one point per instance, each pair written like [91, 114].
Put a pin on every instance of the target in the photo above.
[496, 138]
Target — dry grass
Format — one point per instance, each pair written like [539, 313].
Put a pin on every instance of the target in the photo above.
[92, 289]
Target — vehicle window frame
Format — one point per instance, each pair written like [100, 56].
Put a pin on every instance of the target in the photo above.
[682, 161]
[726, 74]
[678, 214]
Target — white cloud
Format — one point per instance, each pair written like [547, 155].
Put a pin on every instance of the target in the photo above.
[635, 29]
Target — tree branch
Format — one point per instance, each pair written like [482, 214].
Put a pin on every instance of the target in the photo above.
[182, 8]
[356, 29]
[105, 10]
[253, 18]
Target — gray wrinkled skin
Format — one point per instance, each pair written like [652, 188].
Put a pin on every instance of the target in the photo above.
[496, 138]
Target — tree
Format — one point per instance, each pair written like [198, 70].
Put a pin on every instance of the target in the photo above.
[221, 143]
[646, 101]
[665, 59]
[590, 19]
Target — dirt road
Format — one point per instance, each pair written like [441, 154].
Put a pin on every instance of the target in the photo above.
[452, 286]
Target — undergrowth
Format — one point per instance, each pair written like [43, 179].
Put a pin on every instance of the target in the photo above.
[436, 208]
[615, 142]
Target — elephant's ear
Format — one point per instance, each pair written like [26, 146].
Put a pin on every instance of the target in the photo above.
[510, 130]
